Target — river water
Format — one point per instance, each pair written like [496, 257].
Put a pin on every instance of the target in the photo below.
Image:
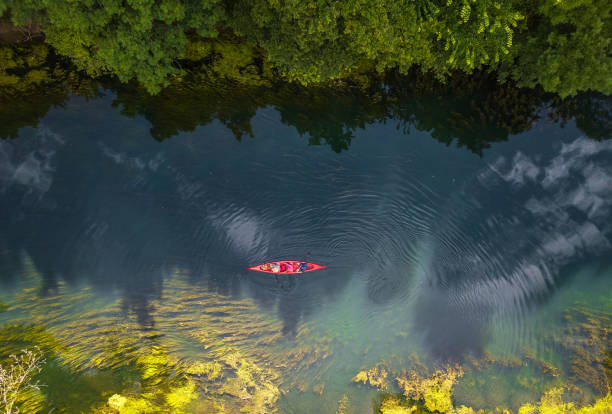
[436, 255]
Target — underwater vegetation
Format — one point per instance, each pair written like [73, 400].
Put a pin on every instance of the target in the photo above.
[478, 383]
[342, 405]
[506, 382]
[16, 385]
[375, 377]
[553, 402]
[395, 404]
[200, 352]
[434, 391]
[587, 338]
[204, 352]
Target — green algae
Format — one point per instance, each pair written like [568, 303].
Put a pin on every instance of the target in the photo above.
[210, 369]
[342, 407]
[587, 338]
[375, 377]
[434, 391]
[180, 399]
[393, 404]
[552, 402]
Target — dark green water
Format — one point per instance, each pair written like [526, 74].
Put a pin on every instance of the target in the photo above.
[119, 252]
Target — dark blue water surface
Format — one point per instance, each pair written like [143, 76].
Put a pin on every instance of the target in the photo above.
[432, 250]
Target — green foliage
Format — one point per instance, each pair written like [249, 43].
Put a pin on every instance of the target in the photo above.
[471, 34]
[3, 307]
[315, 41]
[129, 39]
[567, 49]
[564, 46]
[303, 40]
[228, 58]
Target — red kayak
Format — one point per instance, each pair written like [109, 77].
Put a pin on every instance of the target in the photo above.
[287, 267]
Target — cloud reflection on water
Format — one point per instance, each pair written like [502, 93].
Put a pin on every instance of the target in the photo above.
[554, 211]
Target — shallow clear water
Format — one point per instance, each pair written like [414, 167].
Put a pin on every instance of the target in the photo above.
[433, 252]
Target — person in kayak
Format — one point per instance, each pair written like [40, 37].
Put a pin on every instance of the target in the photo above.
[285, 267]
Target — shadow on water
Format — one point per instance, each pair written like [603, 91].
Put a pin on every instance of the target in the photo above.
[472, 110]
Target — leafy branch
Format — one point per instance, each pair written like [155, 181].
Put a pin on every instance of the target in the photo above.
[16, 378]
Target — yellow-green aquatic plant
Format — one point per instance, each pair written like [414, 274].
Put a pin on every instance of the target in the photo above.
[435, 391]
[16, 380]
[342, 405]
[587, 337]
[211, 370]
[552, 403]
[393, 404]
[376, 377]
[177, 400]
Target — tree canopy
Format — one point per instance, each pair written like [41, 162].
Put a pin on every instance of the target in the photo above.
[132, 39]
[567, 47]
[564, 46]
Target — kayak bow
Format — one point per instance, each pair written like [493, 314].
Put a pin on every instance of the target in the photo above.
[284, 266]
